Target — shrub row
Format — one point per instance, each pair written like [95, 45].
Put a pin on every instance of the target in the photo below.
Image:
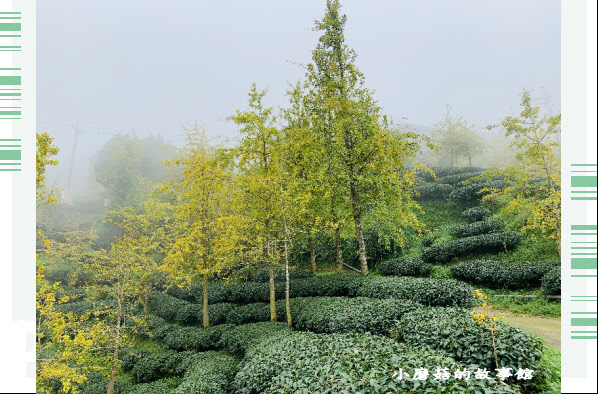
[194, 338]
[456, 333]
[473, 192]
[262, 275]
[499, 274]
[174, 309]
[442, 172]
[208, 372]
[476, 214]
[405, 267]
[477, 228]
[429, 292]
[147, 367]
[349, 363]
[479, 244]
[551, 282]
[241, 338]
[343, 315]
[433, 192]
[457, 179]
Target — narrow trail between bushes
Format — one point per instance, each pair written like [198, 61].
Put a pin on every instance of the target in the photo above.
[546, 327]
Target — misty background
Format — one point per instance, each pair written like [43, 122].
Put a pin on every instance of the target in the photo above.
[106, 68]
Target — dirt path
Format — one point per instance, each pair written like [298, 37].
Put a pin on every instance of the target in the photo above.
[547, 328]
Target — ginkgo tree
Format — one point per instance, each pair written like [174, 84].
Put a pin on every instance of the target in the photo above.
[206, 230]
[533, 186]
[151, 225]
[364, 161]
[256, 158]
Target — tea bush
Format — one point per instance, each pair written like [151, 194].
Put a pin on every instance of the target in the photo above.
[429, 292]
[477, 228]
[459, 178]
[455, 332]
[241, 338]
[344, 285]
[413, 266]
[349, 363]
[208, 372]
[433, 192]
[174, 309]
[341, 315]
[195, 338]
[262, 275]
[476, 214]
[157, 387]
[473, 192]
[500, 275]
[551, 281]
[250, 313]
[479, 244]
[146, 367]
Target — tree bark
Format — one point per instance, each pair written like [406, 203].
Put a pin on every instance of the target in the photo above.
[110, 389]
[339, 249]
[287, 287]
[312, 254]
[145, 296]
[359, 232]
[206, 313]
[272, 292]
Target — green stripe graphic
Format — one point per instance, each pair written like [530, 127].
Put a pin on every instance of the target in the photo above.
[10, 27]
[584, 227]
[10, 155]
[10, 80]
[583, 181]
[583, 264]
[583, 321]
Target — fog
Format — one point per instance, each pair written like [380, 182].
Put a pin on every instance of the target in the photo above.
[113, 66]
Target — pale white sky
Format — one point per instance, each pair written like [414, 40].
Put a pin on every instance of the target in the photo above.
[114, 65]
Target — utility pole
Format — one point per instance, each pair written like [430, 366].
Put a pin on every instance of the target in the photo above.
[68, 193]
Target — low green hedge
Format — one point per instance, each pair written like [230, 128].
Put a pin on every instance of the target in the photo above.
[360, 314]
[429, 292]
[551, 281]
[455, 332]
[433, 192]
[459, 178]
[147, 367]
[502, 275]
[476, 214]
[341, 285]
[413, 266]
[208, 372]
[477, 228]
[174, 309]
[96, 383]
[195, 338]
[262, 274]
[473, 192]
[480, 244]
[347, 363]
[241, 338]
[442, 172]
[157, 387]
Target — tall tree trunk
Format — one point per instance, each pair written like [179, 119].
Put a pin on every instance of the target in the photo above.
[469, 157]
[110, 389]
[312, 253]
[287, 301]
[206, 310]
[358, 231]
[145, 296]
[339, 249]
[272, 292]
